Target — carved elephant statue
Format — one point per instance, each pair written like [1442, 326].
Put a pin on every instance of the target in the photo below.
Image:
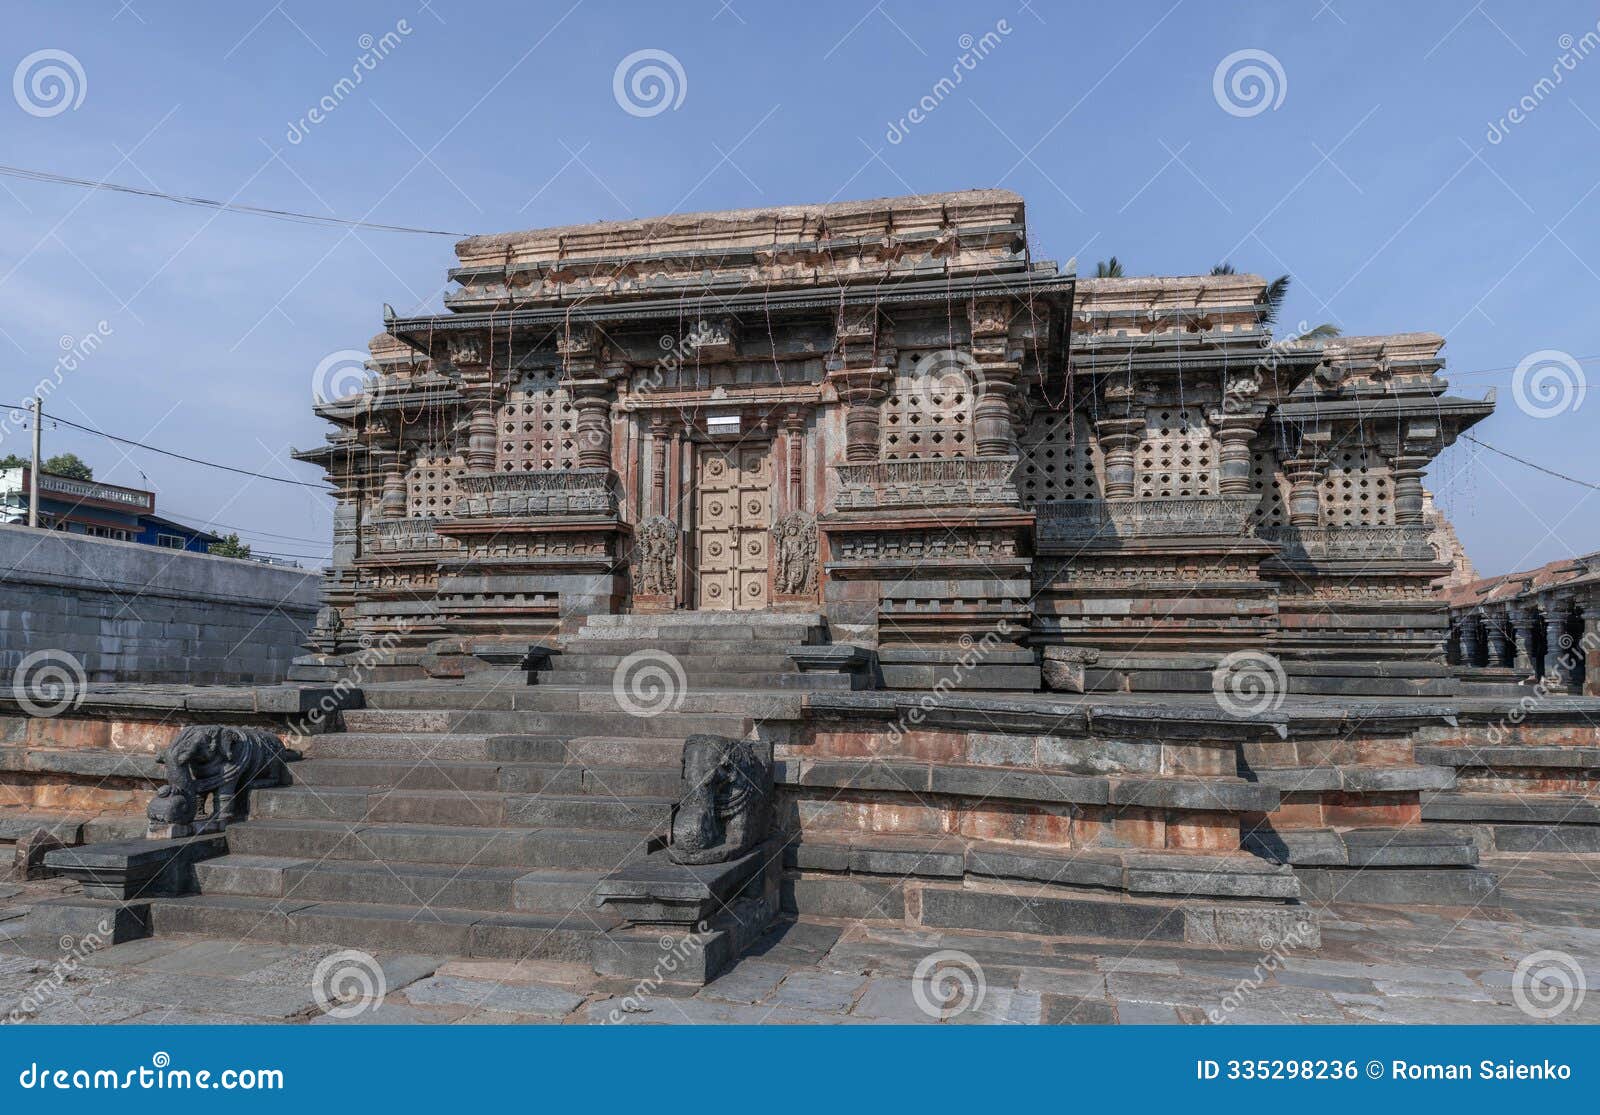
[219, 761]
[725, 800]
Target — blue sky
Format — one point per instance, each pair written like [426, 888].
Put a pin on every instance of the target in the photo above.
[1370, 176]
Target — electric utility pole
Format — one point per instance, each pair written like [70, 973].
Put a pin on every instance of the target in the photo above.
[33, 473]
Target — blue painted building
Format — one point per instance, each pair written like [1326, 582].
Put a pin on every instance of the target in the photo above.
[98, 510]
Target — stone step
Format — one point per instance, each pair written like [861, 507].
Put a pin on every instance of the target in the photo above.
[442, 931]
[603, 713]
[435, 747]
[485, 846]
[357, 804]
[1543, 809]
[526, 778]
[610, 659]
[704, 621]
[699, 678]
[622, 645]
[399, 883]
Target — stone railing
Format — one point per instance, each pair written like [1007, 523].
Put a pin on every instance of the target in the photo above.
[927, 482]
[1089, 520]
[573, 491]
[1363, 543]
[403, 536]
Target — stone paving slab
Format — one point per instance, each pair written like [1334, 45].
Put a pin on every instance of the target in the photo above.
[1383, 965]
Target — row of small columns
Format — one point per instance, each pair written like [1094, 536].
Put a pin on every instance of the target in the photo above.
[1504, 635]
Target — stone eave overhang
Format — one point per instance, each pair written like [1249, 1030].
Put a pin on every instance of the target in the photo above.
[1011, 233]
[1037, 283]
[1451, 409]
[346, 411]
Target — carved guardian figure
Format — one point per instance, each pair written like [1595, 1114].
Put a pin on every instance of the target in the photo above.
[220, 761]
[725, 800]
[656, 560]
[795, 547]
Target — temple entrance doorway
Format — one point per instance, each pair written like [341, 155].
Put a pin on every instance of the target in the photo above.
[732, 525]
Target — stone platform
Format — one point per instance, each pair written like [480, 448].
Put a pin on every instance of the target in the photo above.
[490, 816]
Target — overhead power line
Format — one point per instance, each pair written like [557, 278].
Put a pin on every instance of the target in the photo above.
[172, 453]
[225, 206]
[1530, 464]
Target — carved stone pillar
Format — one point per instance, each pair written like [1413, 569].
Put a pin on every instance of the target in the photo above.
[393, 503]
[1555, 655]
[1119, 439]
[1304, 474]
[863, 393]
[477, 390]
[658, 465]
[1591, 648]
[794, 429]
[995, 389]
[860, 368]
[1495, 629]
[1407, 469]
[1469, 639]
[1523, 622]
[592, 401]
[1234, 432]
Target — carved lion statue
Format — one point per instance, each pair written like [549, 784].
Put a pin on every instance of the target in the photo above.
[219, 761]
[725, 802]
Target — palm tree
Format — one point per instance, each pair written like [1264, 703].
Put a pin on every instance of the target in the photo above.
[1108, 269]
[1277, 290]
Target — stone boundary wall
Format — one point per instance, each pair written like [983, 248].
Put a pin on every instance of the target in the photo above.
[134, 613]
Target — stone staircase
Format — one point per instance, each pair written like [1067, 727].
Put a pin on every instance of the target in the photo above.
[479, 818]
[705, 650]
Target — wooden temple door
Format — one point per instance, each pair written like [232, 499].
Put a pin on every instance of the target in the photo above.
[733, 520]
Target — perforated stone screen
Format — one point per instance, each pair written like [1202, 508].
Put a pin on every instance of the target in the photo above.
[430, 481]
[928, 412]
[1267, 480]
[1177, 456]
[538, 426]
[1060, 459]
[1359, 489]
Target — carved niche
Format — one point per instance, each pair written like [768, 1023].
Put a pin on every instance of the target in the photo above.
[655, 564]
[794, 544]
[220, 761]
[724, 802]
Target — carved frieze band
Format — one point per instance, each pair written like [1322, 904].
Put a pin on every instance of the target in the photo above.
[927, 482]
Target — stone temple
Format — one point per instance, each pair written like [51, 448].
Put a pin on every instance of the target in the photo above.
[847, 561]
